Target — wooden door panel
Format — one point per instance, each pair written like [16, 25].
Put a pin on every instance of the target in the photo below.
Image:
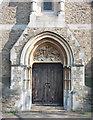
[37, 83]
[47, 84]
[44, 74]
[55, 80]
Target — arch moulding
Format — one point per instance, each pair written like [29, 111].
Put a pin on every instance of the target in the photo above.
[49, 39]
[44, 47]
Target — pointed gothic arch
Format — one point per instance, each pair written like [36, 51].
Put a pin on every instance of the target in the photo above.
[50, 38]
[46, 47]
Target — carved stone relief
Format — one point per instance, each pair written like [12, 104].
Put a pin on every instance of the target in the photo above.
[47, 53]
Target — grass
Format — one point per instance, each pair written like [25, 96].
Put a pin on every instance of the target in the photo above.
[40, 111]
[12, 112]
[86, 112]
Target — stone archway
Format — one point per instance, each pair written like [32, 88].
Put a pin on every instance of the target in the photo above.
[46, 47]
[52, 39]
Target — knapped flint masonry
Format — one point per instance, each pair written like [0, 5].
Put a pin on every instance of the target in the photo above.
[46, 52]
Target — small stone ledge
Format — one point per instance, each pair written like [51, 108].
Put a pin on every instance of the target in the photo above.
[18, 65]
[77, 65]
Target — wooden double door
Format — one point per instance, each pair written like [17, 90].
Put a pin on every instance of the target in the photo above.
[47, 84]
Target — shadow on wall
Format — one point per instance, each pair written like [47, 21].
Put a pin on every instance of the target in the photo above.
[22, 18]
[10, 100]
[88, 88]
[92, 84]
[7, 101]
[89, 71]
[88, 74]
[89, 66]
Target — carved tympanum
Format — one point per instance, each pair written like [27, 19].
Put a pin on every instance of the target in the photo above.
[47, 53]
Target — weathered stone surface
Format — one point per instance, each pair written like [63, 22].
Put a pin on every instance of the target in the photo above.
[15, 12]
[47, 53]
[78, 12]
[79, 41]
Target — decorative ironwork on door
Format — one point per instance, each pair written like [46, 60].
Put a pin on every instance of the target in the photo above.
[47, 84]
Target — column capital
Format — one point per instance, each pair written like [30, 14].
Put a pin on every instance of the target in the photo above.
[33, 6]
[29, 66]
[33, 1]
[61, 10]
[69, 67]
[61, 1]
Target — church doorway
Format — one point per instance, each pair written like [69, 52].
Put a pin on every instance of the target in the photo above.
[46, 62]
[47, 84]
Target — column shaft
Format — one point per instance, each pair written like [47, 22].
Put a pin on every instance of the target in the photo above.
[61, 4]
[33, 6]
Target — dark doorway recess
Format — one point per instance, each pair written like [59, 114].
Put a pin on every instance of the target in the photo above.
[47, 84]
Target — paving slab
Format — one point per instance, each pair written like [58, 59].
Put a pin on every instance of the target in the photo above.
[46, 116]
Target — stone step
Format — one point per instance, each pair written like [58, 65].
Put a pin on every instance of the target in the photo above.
[39, 108]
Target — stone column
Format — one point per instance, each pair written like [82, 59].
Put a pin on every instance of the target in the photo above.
[61, 4]
[31, 83]
[27, 90]
[33, 6]
[78, 86]
[25, 79]
[67, 78]
[67, 88]
[33, 13]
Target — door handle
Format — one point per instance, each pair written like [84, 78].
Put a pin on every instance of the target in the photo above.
[47, 84]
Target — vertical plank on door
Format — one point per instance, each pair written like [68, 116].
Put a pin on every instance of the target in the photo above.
[47, 83]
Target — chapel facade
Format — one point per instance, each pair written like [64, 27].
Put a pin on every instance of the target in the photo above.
[46, 54]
